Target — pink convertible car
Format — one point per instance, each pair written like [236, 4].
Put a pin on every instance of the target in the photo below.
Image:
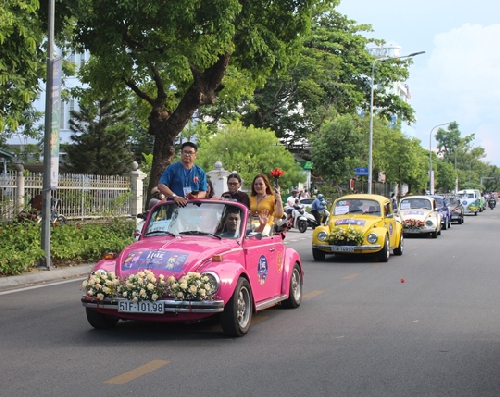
[194, 262]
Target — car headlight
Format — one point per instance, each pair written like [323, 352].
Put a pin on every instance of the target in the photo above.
[213, 279]
[372, 238]
[321, 236]
[429, 223]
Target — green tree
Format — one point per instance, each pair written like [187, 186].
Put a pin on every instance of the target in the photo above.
[336, 151]
[175, 55]
[331, 76]
[21, 60]
[249, 151]
[100, 140]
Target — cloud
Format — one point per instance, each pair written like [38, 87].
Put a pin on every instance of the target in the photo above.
[460, 83]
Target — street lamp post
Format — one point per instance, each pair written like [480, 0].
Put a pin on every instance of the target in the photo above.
[431, 190]
[370, 149]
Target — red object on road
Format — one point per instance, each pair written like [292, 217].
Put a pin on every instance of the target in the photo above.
[403, 280]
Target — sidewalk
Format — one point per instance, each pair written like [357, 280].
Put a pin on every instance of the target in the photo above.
[40, 276]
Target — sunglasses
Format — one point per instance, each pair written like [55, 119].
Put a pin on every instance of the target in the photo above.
[232, 184]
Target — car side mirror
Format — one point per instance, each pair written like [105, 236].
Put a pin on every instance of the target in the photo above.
[390, 216]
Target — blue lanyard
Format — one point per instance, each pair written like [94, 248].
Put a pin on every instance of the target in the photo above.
[187, 174]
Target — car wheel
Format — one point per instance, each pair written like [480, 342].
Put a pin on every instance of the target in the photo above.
[99, 320]
[462, 219]
[318, 255]
[445, 225]
[383, 254]
[399, 250]
[475, 213]
[295, 292]
[302, 226]
[435, 234]
[237, 313]
[449, 223]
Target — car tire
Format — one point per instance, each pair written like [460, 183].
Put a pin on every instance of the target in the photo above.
[475, 213]
[399, 249]
[318, 255]
[99, 320]
[445, 225]
[435, 234]
[462, 219]
[295, 292]
[237, 314]
[384, 253]
[302, 226]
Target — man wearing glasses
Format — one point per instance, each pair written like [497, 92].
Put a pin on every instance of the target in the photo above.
[184, 180]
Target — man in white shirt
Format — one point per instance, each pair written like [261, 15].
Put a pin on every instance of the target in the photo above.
[290, 202]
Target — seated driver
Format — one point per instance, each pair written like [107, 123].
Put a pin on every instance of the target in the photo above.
[232, 221]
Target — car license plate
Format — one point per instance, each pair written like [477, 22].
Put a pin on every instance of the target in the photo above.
[415, 231]
[343, 249]
[141, 307]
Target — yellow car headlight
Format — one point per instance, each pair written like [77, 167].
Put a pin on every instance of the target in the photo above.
[321, 236]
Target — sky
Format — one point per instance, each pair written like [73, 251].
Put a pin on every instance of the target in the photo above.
[458, 77]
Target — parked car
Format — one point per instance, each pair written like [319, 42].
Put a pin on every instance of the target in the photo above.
[456, 210]
[194, 262]
[359, 224]
[419, 215]
[469, 199]
[442, 207]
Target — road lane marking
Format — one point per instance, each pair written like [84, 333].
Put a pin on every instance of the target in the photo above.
[312, 294]
[135, 373]
[349, 276]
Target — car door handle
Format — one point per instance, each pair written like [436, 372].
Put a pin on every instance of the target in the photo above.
[272, 249]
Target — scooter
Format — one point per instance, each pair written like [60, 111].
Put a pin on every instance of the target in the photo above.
[311, 220]
[299, 220]
[492, 203]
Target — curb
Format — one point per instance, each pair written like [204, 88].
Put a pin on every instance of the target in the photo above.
[41, 276]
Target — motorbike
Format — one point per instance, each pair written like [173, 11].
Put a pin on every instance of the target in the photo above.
[299, 220]
[492, 203]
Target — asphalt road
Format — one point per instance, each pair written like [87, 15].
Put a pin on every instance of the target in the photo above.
[360, 331]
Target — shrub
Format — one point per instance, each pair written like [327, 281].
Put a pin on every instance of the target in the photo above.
[20, 243]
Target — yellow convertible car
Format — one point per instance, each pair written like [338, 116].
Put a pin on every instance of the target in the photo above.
[359, 224]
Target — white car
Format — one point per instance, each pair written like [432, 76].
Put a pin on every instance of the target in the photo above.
[419, 215]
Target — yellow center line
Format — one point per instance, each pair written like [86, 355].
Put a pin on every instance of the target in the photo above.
[135, 373]
[349, 276]
[312, 294]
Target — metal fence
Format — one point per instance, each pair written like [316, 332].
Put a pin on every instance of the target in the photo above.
[81, 196]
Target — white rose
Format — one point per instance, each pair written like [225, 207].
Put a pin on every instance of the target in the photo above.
[90, 292]
[202, 292]
[100, 296]
[84, 284]
[154, 297]
[193, 289]
[183, 285]
[180, 295]
[150, 287]
[171, 279]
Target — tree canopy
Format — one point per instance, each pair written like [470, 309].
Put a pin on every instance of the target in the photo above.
[249, 151]
[21, 60]
[174, 54]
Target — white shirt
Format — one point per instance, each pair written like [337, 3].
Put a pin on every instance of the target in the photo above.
[290, 202]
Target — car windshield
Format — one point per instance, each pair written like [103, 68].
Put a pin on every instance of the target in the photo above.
[452, 200]
[357, 206]
[439, 201]
[196, 218]
[415, 203]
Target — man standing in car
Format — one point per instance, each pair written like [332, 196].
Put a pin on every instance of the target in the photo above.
[183, 179]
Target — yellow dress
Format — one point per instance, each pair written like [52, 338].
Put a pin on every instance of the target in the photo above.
[257, 205]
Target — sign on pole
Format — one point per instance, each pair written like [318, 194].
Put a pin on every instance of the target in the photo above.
[54, 126]
[361, 171]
